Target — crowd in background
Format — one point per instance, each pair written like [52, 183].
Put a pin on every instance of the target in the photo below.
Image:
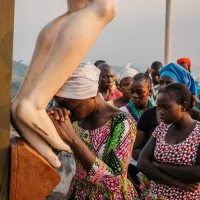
[150, 147]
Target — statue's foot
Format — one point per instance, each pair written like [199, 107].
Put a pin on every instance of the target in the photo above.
[39, 121]
[33, 138]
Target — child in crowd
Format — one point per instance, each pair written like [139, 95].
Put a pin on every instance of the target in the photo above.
[124, 79]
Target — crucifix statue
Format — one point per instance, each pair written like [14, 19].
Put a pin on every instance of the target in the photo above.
[61, 46]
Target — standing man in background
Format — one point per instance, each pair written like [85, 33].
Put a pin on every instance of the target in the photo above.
[106, 82]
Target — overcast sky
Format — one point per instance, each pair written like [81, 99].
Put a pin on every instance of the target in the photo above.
[136, 35]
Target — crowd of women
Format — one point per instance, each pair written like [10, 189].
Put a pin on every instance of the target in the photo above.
[134, 135]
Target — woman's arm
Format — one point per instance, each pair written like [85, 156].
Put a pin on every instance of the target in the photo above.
[146, 166]
[104, 174]
[140, 142]
[187, 174]
[67, 133]
[143, 126]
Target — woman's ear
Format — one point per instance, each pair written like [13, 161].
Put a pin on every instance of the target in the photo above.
[183, 109]
[150, 91]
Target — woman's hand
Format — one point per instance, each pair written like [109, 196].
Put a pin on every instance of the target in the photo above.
[148, 71]
[189, 187]
[63, 125]
[59, 113]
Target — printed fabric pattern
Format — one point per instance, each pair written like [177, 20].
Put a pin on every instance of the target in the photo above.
[182, 154]
[112, 144]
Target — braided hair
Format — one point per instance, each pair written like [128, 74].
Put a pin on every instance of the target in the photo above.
[180, 94]
[143, 76]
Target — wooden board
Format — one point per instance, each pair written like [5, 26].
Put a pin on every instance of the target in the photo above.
[32, 177]
[6, 50]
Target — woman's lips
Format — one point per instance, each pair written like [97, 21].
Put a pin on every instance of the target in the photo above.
[136, 101]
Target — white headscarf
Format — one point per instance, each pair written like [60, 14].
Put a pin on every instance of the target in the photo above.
[127, 72]
[82, 84]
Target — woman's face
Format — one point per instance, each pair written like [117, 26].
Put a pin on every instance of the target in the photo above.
[165, 80]
[140, 91]
[124, 87]
[79, 109]
[169, 111]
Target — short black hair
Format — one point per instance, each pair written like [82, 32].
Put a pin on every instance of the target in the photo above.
[103, 67]
[98, 62]
[180, 94]
[143, 76]
[156, 66]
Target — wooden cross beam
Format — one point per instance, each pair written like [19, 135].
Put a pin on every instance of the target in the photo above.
[6, 50]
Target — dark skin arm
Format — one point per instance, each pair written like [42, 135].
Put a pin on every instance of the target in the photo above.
[67, 133]
[139, 144]
[146, 166]
[187, 174]
[86, 157]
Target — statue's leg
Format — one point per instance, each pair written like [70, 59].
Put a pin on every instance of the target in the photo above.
[42, 49]
[73, 41]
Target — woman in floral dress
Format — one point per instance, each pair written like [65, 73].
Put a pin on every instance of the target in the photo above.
[101, 138]
[171, 158]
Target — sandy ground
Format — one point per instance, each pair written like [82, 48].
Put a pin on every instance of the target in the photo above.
[66, 171]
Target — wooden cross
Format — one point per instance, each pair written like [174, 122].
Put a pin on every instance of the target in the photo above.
[6, 50]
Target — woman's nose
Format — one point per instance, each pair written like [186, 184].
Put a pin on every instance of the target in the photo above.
[110, 80]
[134, 94]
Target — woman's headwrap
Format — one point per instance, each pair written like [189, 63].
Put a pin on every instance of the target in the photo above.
[82, 84]
[126, 72]
[184, 60]
[179, 75]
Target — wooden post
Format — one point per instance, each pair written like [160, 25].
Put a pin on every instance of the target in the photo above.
[168, 27]
[6, 50]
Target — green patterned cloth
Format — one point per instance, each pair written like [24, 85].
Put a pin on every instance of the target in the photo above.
[107, 180]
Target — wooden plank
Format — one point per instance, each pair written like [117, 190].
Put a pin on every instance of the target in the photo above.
[6, 49]
[32, 177]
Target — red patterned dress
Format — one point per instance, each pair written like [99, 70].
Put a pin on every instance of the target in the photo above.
[183, 154]
[107, 180]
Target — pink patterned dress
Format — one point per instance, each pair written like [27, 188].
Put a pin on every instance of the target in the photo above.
[183, 154]
[107, 180]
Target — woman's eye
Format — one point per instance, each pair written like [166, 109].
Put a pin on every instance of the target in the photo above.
[139, 92]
